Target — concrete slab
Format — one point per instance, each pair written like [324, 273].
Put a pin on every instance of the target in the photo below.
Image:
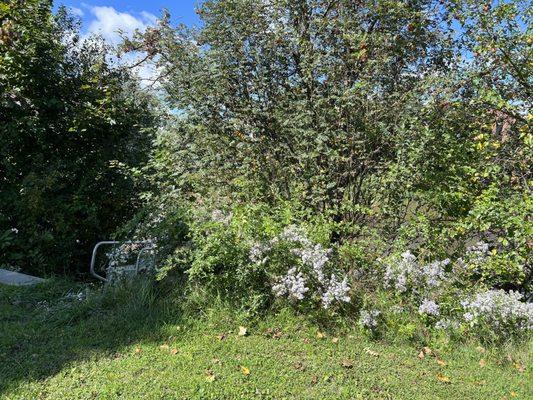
[17, 279]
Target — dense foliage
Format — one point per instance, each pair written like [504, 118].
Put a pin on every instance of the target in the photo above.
[369, 131]
[70, 125]
[366, 161]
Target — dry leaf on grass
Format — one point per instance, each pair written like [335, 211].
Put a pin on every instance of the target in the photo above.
[421, 355]
[519, 367]
[164, 347]
[443, 378]
[243, 331]
[137, 350]
[320, 335]
[347, 364]
[335, 340]
[245, 371]
[210, 376]
[372, 353]
[174, 351]
[441, 362]
[482, 363]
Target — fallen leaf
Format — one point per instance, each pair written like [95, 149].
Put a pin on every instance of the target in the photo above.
[298, 365]
[482, 363]
[347, 364]
[421, 355]
[372, 353]
[443, 378]
[137, 350]
[174, 351]
[245, 370]
[243, 331]
[210, 376]
[320, 335]
[314, 381]
[441, 362]
[480, 349]
[216, 361]
[164, 347]
[519, 367]
[307, 341]
[427, 351]
[335, 340]
[513, 394]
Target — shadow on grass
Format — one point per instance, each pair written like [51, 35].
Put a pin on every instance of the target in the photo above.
[46, 327]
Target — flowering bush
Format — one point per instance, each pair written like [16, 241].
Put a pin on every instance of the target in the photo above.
[405, 274]
[502, 314]
[309, 273]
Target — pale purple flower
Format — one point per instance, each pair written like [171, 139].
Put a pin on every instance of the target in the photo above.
[429, 307]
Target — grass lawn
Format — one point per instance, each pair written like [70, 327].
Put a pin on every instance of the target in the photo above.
[112, 347]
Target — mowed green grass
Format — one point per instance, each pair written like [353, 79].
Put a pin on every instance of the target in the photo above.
[112, 347]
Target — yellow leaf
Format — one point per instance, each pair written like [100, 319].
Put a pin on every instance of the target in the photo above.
[245, 370]
[243, 331]
[210, 376]
[164, 347]
[513, 394]
[137, 350]
[441, 362]
[427, 351]
[443, 379]
[174, 351]
[519, 367]
[335, 340]
[320, 335]
[482, 363]
[421, 355]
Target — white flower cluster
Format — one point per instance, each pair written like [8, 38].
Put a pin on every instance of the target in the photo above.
[429, 307]
[406, 273]
[369, 319]
[292, 285]
[258, 252]
[336, 291]
[475, 256]
[313, 258]
[500, 310]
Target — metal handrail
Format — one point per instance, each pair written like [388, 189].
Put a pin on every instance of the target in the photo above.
[93, 258]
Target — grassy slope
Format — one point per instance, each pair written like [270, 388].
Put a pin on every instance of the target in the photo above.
[105, 349]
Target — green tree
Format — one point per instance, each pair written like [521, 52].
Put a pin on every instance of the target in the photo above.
[71, 124]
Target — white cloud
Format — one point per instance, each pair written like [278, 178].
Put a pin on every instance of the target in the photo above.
[76, 11]
[108, 22]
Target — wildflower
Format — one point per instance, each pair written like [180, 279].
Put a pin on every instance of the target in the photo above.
[368, 319]
[258, 251]
[429, 307]
[292, 285]
[503, 312]
[336, 291]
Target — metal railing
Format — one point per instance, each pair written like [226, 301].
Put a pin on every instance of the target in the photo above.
[149, 246]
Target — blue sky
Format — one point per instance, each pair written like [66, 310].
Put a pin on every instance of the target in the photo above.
[105, 17]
